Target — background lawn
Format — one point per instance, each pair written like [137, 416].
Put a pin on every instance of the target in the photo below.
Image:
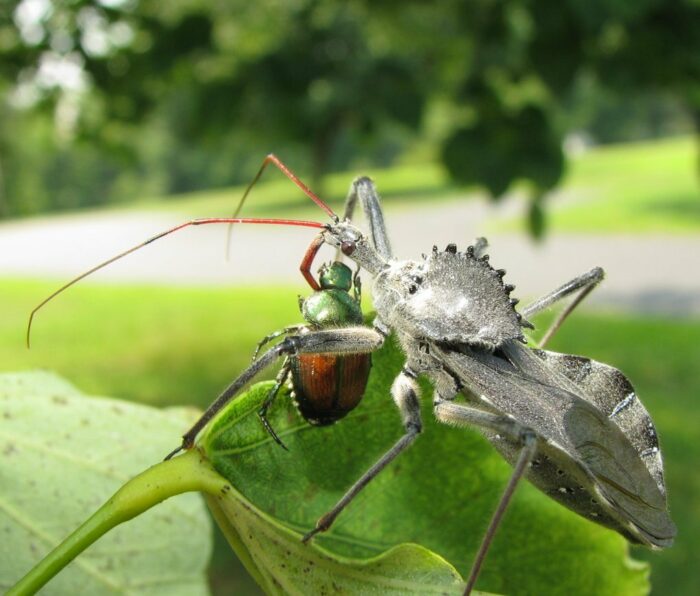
[632, 188]
[166, 346]
[643, 187]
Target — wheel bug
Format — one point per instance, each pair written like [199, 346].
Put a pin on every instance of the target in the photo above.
[574, 427]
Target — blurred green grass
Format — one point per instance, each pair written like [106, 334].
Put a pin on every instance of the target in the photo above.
[166, 346]
[642, 187]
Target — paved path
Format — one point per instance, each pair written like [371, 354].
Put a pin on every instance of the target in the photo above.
[659, 274]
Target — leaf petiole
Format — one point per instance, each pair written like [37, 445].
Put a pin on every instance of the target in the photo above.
[186, 473]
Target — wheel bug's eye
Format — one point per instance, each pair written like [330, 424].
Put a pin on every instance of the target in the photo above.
[347, 247]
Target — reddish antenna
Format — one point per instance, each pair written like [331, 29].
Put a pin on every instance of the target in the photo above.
[271, 158]
[194, 222]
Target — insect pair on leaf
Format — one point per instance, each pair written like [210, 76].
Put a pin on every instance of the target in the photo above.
[573, 426]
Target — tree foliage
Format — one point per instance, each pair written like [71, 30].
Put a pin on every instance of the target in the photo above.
[330, 80]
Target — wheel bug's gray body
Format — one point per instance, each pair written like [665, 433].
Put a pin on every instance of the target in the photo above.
[595, 447]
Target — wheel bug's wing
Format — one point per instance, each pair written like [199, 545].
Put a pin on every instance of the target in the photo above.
[584, 460]
[611, 392]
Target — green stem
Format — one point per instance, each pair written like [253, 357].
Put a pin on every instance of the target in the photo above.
[189, 472]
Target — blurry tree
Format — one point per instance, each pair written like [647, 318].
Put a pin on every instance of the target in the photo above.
[311, 73]
[525, 60]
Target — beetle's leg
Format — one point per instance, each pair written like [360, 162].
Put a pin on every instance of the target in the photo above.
[262, 412]
[364, 189]
[357, 285]
[405, 392]
[275, 335]
[583, 284]
[344, 340]
[462, 415]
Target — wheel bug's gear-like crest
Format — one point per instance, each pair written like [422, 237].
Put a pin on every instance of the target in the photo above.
[451, 297]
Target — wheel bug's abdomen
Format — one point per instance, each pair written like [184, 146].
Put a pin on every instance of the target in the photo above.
[326, 387]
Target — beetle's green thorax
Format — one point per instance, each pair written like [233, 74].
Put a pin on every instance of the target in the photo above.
[333, 305]
[335, 275]
[331, 308]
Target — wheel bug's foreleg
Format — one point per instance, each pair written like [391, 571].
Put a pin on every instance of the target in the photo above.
[262, 412]
[285, 347]
[345, 340]
[364, 189]
[462, 415]
[583, 284]
[405, 392]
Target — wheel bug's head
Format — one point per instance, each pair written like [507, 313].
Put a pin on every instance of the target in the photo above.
[354, 245]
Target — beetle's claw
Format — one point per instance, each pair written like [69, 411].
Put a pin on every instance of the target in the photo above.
[173, 453]
[270, 430]
[321, 526]
[186, 444]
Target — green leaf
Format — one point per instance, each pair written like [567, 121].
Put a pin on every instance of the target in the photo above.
[282, 564]
[63, 455]
[440, 494]
[280, 557]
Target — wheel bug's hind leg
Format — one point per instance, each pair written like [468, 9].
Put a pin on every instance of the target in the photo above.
[272, 394]
[462, 415]
[405, 392]
[344, 340]
[583, 284]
